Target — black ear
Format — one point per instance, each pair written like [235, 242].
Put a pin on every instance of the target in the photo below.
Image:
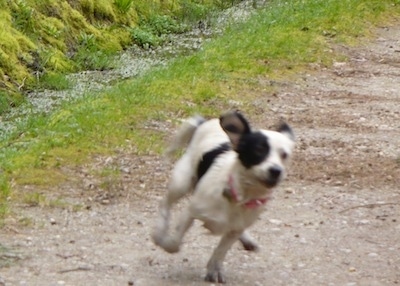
[235, 125]
[284, 128]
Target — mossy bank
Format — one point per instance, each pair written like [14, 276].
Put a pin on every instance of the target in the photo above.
[39, 40]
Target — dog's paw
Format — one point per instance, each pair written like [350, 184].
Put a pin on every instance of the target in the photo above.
[215, 277]
[250, 246]
[248, 242]
[168, 244]
[171, 247]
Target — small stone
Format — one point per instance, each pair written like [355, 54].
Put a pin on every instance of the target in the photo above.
[352, 269]
[126, 170]
[275, 221]
[346, 250]
[289, 191]
[339, 64]
[363, 221]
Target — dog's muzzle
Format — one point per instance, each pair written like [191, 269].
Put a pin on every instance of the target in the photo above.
[273, 176]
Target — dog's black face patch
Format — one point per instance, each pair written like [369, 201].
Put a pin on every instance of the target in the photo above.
[209, 157]
[253, 148]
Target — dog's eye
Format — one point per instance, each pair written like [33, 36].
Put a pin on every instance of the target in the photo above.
[284, 155]
[261, 148]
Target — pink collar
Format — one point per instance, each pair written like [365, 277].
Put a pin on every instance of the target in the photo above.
[251, 204]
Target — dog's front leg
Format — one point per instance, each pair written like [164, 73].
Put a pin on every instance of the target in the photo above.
[179, 185]
[214, 265]
[171, 243]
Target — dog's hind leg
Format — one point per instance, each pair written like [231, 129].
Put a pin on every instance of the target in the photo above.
[180, 184]
[248, 241]
[214, 265]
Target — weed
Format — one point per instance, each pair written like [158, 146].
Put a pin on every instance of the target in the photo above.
[77, 207]
[123, 5]
[23, 16]
[26, 221]
[4, 102]
[53, 81]
[151, 32]
[192, 12]
[144, 39]
[58, 203]
[4, 194]
[8, 256]
[89, 56]
[34, 199]
[223, 4]
[163, 24]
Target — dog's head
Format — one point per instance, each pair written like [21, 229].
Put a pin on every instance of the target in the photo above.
[263, 152]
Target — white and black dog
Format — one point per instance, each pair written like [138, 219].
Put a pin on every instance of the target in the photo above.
[230, 170]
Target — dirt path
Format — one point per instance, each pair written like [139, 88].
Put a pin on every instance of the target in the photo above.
[335, 221]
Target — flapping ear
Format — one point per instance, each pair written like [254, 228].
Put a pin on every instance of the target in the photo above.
[235, 125]
[285, 129]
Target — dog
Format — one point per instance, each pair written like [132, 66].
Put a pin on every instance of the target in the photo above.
[230, 171]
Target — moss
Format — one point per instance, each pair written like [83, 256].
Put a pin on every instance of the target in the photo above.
[46, 36]
[87, 8]
[57, 61]
[122, 35]
[103, 11]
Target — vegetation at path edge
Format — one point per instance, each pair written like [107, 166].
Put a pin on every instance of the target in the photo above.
[280, 40]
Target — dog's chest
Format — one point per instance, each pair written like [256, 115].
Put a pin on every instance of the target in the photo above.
[221, 215]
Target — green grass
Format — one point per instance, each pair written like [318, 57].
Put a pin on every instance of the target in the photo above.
[278, 42]
[53, 81]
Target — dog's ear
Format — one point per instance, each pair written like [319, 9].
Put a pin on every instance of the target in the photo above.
[235, 125]
[285, 129]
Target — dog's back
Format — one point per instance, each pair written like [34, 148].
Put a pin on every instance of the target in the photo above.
[205, 141]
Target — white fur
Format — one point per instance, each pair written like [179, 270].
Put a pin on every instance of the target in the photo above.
[221, 215]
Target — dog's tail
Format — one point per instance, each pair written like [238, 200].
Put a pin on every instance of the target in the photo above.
[184, 134]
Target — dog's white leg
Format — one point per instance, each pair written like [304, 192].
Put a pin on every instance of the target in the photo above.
[248, 241]
[172, 242]
[179, 185]
[214, 265]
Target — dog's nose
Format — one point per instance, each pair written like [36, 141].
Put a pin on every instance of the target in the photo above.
[275, 172]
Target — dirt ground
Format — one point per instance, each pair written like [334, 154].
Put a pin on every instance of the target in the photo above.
[334, 221]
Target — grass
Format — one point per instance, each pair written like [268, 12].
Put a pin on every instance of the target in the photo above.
[277, 42]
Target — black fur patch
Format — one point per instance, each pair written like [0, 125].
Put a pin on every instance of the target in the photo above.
[253, 148]
[209, 158]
